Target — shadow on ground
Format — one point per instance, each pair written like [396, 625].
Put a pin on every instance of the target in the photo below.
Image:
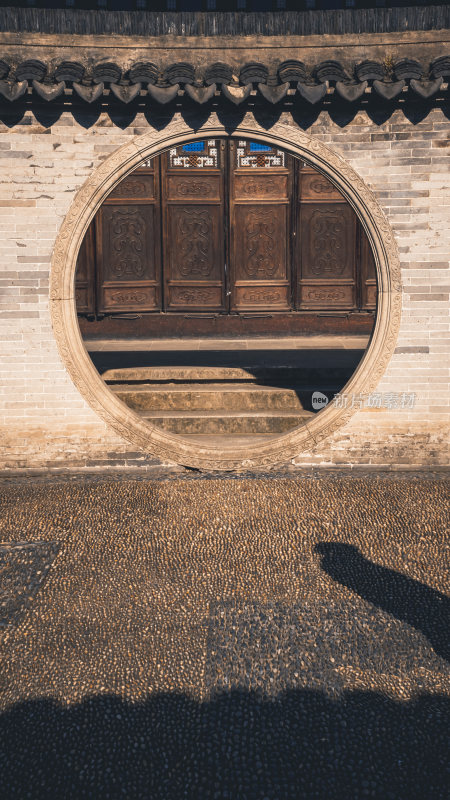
[406, 599]
[320, 360]
[321, 677]
[301, 745]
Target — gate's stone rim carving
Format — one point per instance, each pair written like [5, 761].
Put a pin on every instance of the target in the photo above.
[124, 421]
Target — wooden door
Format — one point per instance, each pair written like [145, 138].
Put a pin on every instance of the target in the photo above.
[367, 274]
[326, 243]
[215, 226]
[194, 227]
[128, 244]
[85, 274]
[260, 191]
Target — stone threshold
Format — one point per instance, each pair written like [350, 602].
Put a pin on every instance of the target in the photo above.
[285, 343]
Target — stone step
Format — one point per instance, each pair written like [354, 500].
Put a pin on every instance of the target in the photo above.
[208, 397]
[230, 423]
[309, 377]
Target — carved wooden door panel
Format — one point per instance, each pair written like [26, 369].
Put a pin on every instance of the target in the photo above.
[128, 244]
[194, 227]
[260, 191]
[325, 246]
[85, 274]
[367, 273]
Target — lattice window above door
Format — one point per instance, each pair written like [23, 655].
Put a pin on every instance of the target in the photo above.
[195, 154]
[257, 154]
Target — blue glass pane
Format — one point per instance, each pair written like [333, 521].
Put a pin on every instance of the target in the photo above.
[256, 147]
[194, 147]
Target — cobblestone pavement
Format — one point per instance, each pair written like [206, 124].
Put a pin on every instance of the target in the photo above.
[270, 637]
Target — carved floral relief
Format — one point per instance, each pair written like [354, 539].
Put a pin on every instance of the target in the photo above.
[193, 244]
[127, 243]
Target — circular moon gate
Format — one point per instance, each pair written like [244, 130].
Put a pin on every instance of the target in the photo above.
[126, 422]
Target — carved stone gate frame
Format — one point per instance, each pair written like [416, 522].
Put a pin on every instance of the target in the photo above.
[126, 422]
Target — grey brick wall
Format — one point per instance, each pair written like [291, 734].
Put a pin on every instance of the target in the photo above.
[43, 419]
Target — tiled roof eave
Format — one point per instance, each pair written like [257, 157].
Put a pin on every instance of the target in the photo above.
[291, 79]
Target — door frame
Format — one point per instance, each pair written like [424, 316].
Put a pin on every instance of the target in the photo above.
[126, 423]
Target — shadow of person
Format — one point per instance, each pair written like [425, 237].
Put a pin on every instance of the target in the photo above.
[408, 600]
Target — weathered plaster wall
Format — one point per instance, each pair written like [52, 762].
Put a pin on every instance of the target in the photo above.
[44, 160]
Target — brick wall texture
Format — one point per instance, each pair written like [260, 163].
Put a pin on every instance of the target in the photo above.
[44, 422]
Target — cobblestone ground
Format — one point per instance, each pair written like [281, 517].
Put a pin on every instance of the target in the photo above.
[216, 638]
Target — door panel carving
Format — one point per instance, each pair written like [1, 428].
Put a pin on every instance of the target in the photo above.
[140, 297]
[128, 236]
[314, 186]
[136, 186]
[328, 296]
[194, 227]
[260, 250]
[326, 246]
[202, 187]
[195, 296]
[261, 297]
[265, 186]
[327, 235]
[195, 242]
[260, 184]
[125, 232]
[128, 244]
